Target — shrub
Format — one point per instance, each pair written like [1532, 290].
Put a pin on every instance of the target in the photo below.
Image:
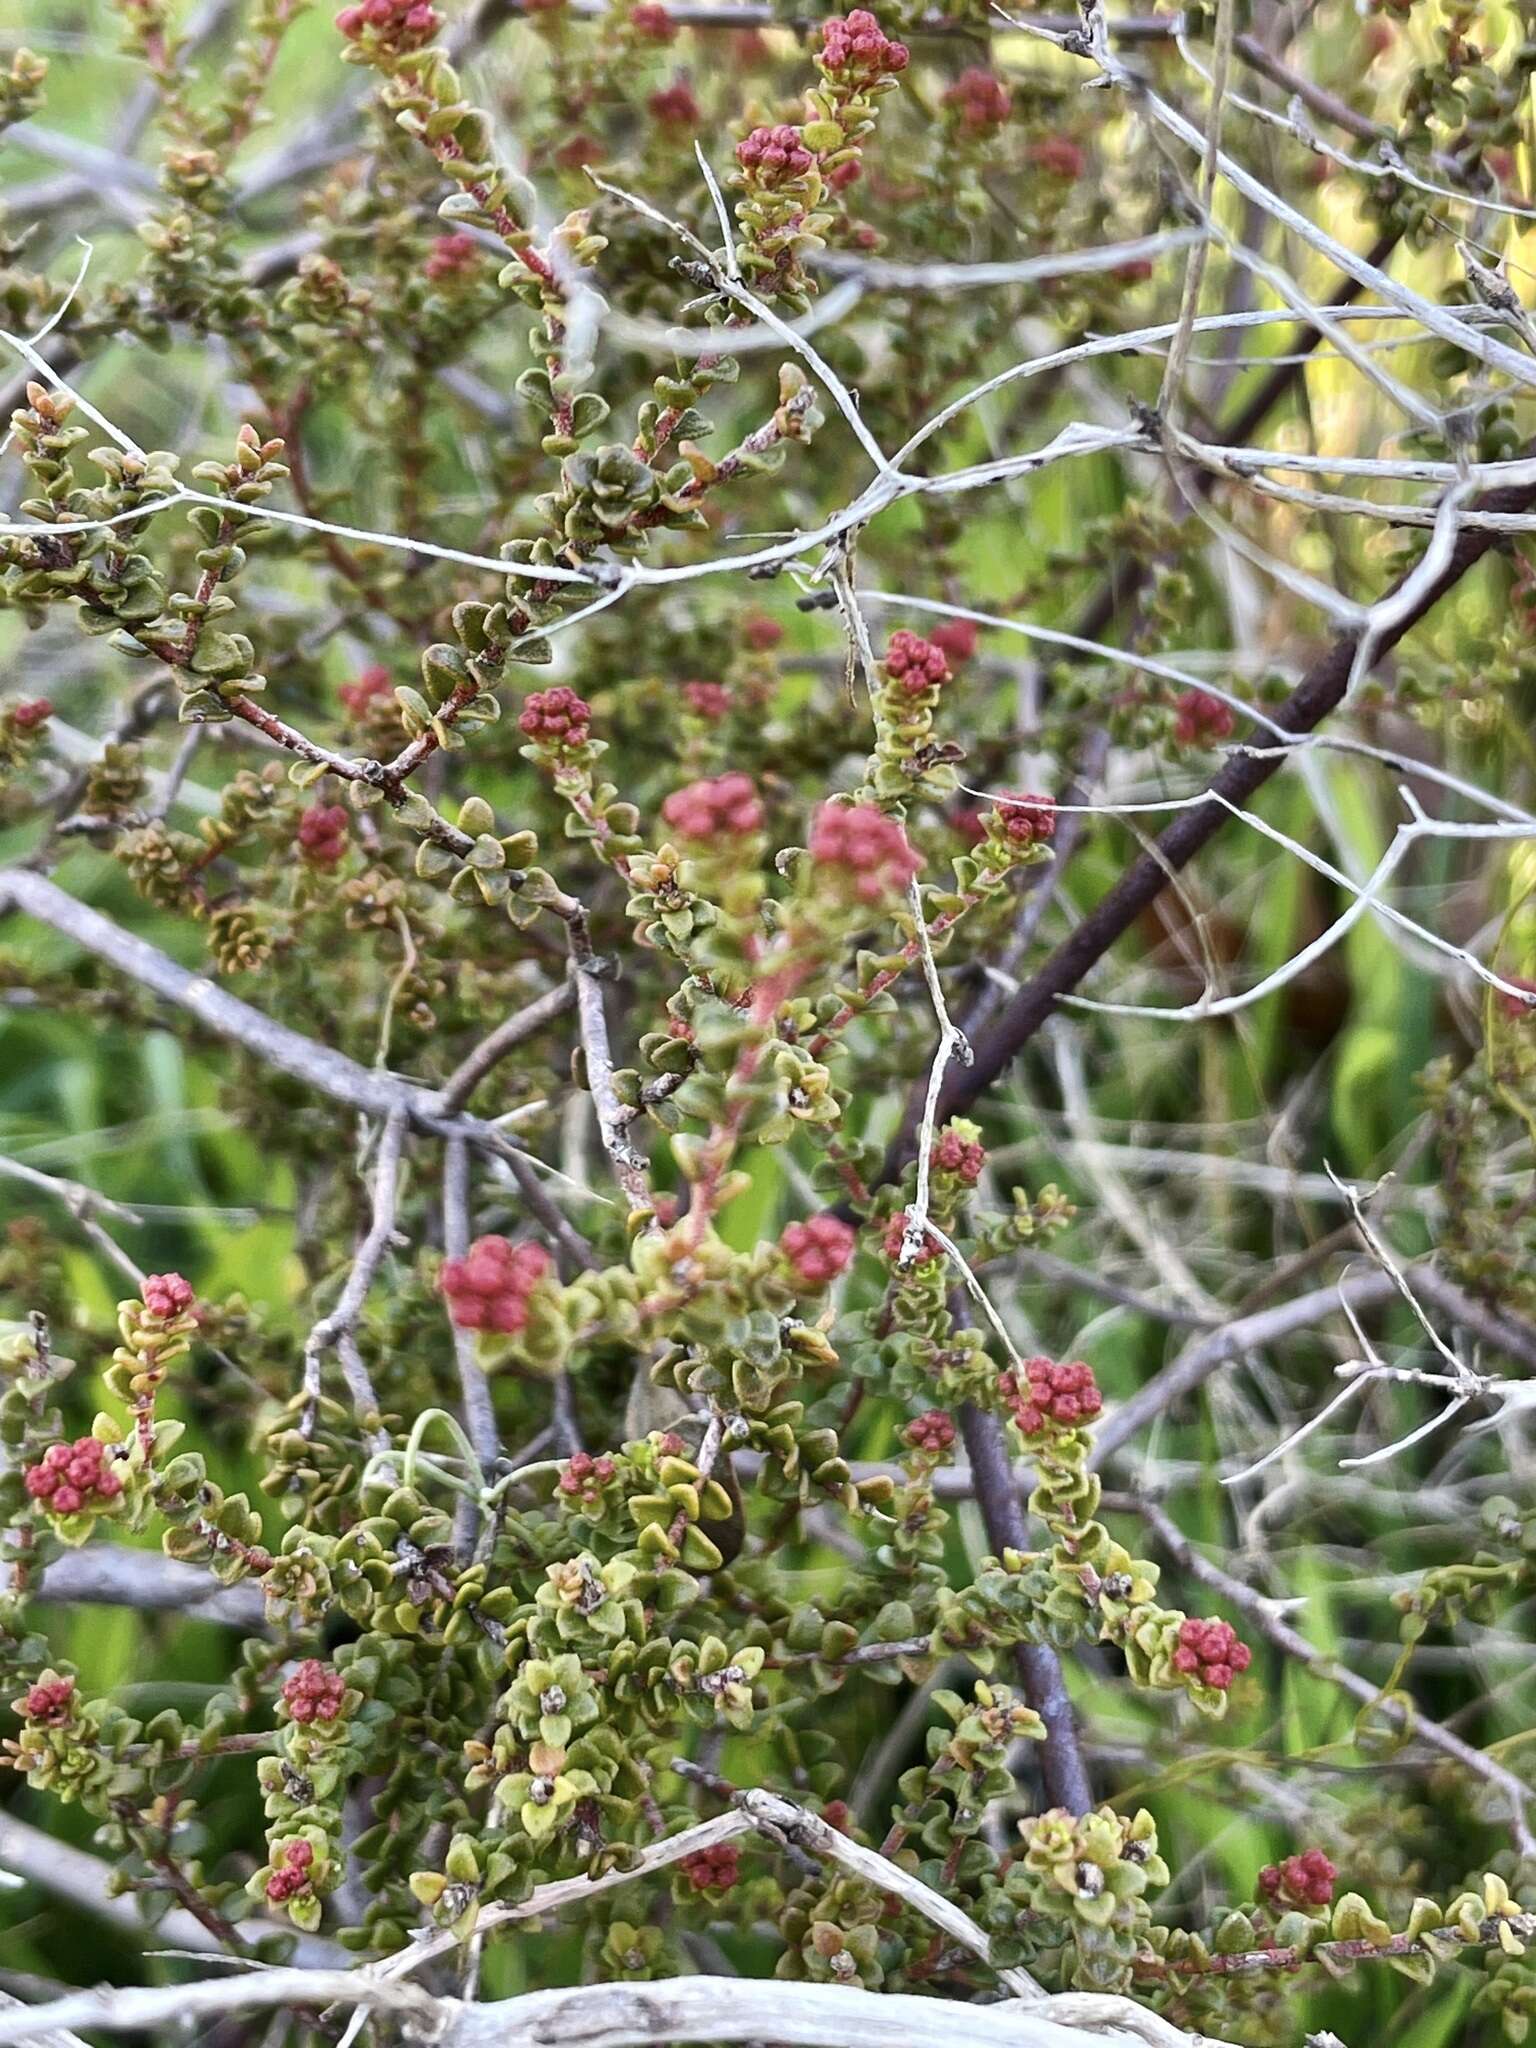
[651, 1457]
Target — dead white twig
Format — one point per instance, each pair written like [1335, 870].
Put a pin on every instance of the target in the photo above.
[338, 1330]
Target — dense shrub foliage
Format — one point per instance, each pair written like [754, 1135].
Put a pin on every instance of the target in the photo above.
[649, 1279]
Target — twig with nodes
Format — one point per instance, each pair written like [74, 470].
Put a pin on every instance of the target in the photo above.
[779, 1821]
[1464, 1384]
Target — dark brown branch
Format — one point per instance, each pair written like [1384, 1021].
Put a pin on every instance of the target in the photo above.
[1118, 590]
[1238, 781]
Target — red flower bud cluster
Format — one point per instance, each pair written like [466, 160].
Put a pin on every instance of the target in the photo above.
[1512, 1006]
[774, 156]
[962, 1156]
[980, 99]
[370, 688]
[166, 1295]
[1050, 1395]
[856, 50]
[31, 712]
[1059, 157]
[291, 1876]
[490, 1287]
[70, 1477]
[896, 1235]
[1027, 820]
[956, 638]
[1211, 1653]
[817, 1249]
[1304, 1880]
[394, 25]
[1201, 720]
[652, 21]
[450, 256]
[556, 718]
[707, 700]
[726, 808]
[760, 632]
[50, 1701]
[314, 1692]
[865, 849]
[932, 1433]
[585, 1477]
[712, 1870]
[917, 664]
[322, 834]
[675, 105]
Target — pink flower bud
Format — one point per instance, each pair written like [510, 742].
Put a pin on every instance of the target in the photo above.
[1059, 157]
[556, 718]
[652, 22]
[862, 851]
[1210, 1652]
[1304, 1880]
[917, 664]
[857, 51]
[395, 26]
[451, 256]
[49, 1701]
[961, 1156]
[1027, 820]
[370, 688]
[817, 1249]
[956, 637]
[980, 100]
[167, 1295]
[774, 156]
[1200, 720]
[712, 1870]
[707, 700]
[724, 809]
[1049, 1395]
[674, 105]
[71, 1477]
[314, 1692]
[322, 834]
[933, 1434]
[490, 1288]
